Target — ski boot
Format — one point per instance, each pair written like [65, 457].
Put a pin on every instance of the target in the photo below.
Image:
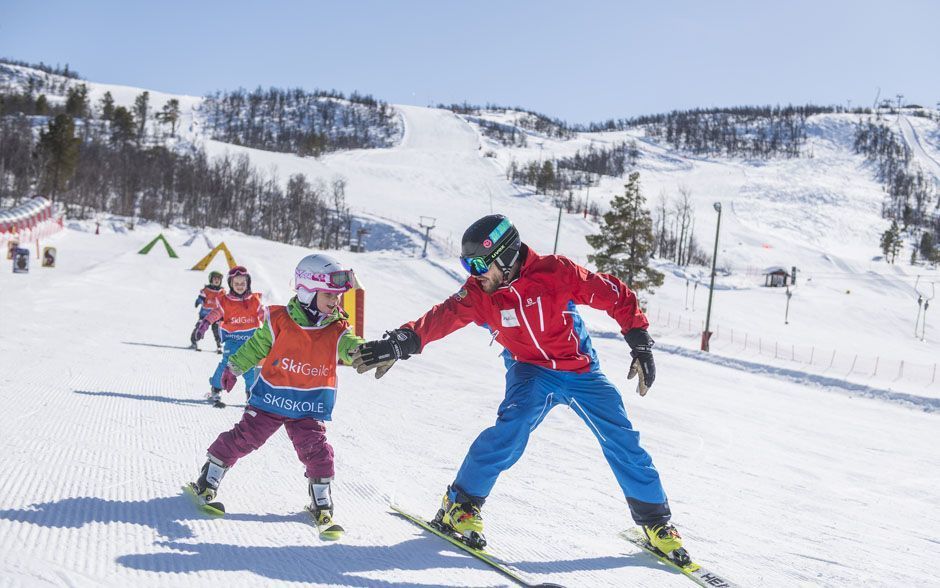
[321, 509]
[218, 349]
[667, 540]
[205, 488]
[193, 346]
[215, 397]
[460, 516]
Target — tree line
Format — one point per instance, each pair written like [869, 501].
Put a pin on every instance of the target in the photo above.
[563, 176]
[525, 119]
[122, 160]
[911, 203]
[298, 121]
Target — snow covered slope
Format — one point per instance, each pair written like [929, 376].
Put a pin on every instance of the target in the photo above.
[771, 481]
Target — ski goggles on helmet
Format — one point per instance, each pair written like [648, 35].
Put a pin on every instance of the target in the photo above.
[476, 266]
[238, 270]
[338, 281]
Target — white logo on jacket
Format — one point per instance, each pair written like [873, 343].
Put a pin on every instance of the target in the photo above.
[509, 317]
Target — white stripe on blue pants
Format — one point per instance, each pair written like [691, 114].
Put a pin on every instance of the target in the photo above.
[531, 391]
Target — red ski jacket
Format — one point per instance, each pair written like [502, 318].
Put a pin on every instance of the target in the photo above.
[534, 317]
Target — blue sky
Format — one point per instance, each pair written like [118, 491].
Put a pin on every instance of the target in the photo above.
[579, 61]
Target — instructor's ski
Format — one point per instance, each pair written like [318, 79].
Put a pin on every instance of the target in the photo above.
[480, 554]
[695, 572]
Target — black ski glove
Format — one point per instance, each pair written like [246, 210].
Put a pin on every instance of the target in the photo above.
[382, 354]
[641, 350]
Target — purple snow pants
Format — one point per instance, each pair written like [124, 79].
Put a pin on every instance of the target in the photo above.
[307, 435]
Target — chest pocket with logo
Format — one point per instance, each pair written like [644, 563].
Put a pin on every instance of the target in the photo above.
[509, 318]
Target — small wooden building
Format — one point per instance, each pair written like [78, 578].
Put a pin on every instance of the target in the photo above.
[776, 277]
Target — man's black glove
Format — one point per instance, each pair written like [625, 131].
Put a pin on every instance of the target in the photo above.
[641, 350]
[382, 354]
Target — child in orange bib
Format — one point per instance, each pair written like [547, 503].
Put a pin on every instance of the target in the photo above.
[300, 344]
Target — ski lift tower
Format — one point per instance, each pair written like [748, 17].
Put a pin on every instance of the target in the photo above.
[427, 223]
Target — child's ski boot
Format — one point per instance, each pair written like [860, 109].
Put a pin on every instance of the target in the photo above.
[215, 397]
[205, 488]
[321, 509]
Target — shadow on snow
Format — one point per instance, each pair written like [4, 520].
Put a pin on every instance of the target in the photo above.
[152, 398]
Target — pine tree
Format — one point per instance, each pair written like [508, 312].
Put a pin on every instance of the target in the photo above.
[626, 240]
[926, 246]
[122, 125]
[170, 114]
[42, 105]
[76, 104]
[141, 107]
[545, 178]
[891, 242]
[58, 149]
[107, 106]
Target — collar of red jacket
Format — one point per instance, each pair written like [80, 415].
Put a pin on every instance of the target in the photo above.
[528, 258]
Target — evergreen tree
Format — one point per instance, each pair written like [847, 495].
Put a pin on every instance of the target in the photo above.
[891, 242]
[42, 105]
[141, 107]
[107, 106]
[58, 148]
[926, 246]
[122, 125]
[625, 243]
[546, 177]
[170, 114]
[76, 104]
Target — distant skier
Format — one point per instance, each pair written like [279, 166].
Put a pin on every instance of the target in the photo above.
[240, 312]
[205, 302]
[527, 301]
[297, 384]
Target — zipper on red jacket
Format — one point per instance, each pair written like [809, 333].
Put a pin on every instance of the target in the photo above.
[529, 328]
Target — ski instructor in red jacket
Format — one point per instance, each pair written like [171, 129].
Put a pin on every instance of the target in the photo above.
[528, 302]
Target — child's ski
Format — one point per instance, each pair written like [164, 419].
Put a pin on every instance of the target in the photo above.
[329, 531]
[216, 509]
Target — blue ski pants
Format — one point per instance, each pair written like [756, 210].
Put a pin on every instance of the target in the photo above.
[230, 344]
[531, 391]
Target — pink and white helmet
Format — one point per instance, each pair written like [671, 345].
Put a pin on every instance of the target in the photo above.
[319, 272]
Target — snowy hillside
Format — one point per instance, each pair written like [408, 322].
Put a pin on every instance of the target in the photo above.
[800, 452]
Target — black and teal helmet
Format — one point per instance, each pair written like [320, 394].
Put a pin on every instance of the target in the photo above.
[492, 239]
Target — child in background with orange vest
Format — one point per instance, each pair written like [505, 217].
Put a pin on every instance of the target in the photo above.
[206, 301]
[241, 313]
[296, 387]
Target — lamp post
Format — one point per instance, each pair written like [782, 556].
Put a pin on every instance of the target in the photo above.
[706, 335]
[587, 197]
[426, 223]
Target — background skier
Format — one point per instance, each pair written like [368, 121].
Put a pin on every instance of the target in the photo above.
[240, 312]
[205, 302]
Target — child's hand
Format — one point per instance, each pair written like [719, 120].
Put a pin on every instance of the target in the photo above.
[200, 331]
[229, 377]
